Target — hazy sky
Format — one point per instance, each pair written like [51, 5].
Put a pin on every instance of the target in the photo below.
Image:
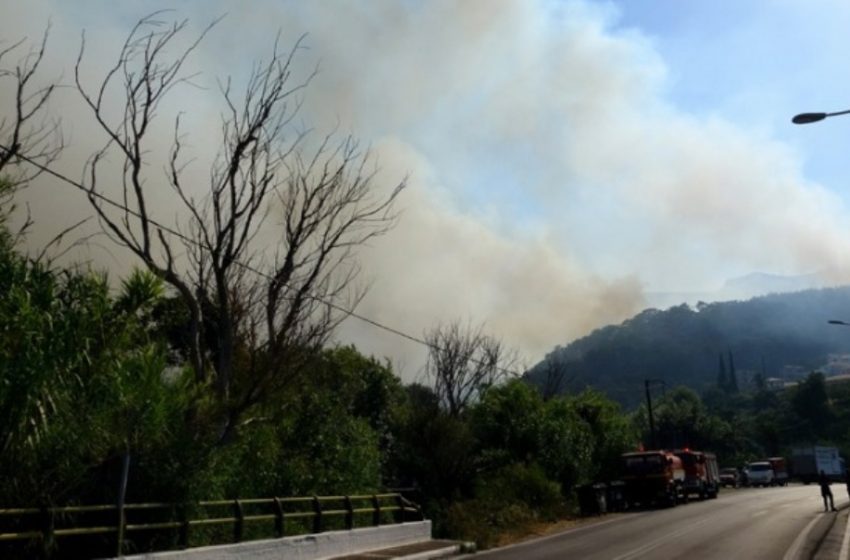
[564, 157]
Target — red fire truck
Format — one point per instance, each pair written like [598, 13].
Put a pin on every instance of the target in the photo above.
[702, 476]
[653, 477]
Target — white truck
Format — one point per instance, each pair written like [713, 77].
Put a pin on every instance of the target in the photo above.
[768, 472]
[808, 462]
[760, 473]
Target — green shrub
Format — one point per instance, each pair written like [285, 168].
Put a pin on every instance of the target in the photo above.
[522, 484]
[507, 500]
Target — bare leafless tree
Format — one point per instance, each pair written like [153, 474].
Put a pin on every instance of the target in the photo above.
[462, 362]
[25, 127]
[255, 313]
[555, 378]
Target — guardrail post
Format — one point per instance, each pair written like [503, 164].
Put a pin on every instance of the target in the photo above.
[399, 501]
[239, 524]
[47, 526]
[376, 510]
[349, 514]
[278, 518]
[183, 537]
[122, 494]
[122, 520]
[317, 515]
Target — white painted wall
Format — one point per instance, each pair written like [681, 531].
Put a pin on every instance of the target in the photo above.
[306, 547]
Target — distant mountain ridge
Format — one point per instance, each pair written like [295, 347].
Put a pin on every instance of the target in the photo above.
[742, 288]
[774, 335]
[758, 283]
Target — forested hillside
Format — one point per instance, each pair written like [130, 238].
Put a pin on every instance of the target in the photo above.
[768, 336]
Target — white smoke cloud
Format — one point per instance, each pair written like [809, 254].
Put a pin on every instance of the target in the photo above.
[441, 264]
[551, 178]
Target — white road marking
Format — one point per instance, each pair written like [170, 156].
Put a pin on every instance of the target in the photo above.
[658, 542]
[845, 542]
[538, 540]
[794, 552]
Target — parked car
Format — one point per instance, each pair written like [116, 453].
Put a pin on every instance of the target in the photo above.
[730, 477]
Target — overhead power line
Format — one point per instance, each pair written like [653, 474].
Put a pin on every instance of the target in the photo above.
[248, 267]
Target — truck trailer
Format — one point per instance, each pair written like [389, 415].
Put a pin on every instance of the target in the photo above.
[808, 462]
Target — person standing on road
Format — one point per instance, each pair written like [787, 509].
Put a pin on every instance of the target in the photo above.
[825, 492]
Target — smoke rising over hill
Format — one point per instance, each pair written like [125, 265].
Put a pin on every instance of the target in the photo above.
[552, 180]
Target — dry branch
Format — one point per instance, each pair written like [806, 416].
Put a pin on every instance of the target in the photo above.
[257, 313]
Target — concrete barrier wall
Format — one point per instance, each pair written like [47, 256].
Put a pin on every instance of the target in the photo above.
[306, 547]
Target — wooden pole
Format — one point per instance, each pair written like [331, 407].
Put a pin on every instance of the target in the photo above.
[122, 494]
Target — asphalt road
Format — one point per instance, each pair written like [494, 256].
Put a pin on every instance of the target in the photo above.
[749, 523]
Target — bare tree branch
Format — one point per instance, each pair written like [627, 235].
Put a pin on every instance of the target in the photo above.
[257, 314]
[556, 379]
[29, 131]
[57, 240]
[463, 362]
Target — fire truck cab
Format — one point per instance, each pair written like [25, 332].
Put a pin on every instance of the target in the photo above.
[702, 476]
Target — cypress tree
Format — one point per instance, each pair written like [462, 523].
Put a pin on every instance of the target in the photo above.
[733, 378]
[722, 379]
[761, 376]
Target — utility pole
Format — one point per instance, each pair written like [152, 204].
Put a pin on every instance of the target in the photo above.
[651, 420]
[647, 383]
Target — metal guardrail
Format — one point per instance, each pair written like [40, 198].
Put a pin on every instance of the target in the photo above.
[314, 512]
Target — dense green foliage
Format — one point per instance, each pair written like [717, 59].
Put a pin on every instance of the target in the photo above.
[754, 339]
[753, 424]
[512, 459]
[89, 375]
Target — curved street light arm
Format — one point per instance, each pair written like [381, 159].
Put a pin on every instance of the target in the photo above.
[806, 118]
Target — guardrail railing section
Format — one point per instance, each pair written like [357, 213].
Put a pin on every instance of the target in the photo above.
[109, 530]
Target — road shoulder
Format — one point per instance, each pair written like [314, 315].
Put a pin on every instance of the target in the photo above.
[829, 544]
[558, 530]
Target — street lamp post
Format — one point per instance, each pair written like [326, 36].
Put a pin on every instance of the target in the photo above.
[806, 118]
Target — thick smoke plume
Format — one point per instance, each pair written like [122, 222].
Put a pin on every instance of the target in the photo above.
[551, 180]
